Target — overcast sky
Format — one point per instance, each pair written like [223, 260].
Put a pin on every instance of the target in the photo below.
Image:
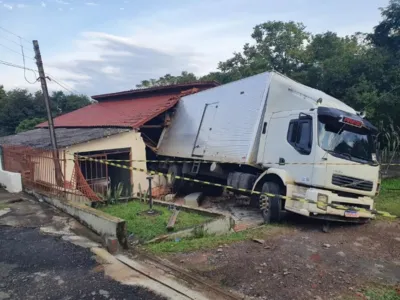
[103, 46]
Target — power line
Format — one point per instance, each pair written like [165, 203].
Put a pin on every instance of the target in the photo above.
[12, 50]
[21, 39]
[10, 32]
[384, 95]
[64, 83]
[15, 65]
[14, 42]
[6, 63]
[72, 91]
[23, 59]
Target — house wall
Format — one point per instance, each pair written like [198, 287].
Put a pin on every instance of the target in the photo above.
[131, 139]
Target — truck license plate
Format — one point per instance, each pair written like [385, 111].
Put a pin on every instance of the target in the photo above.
[351, 214]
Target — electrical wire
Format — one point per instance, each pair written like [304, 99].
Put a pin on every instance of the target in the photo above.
[16, 43]
[23, 59]
[392, 90]
[6, 63]
[15, 65]
[72, 91]
[64, 83]
[21, 39]
[17, 52]
[10, 32]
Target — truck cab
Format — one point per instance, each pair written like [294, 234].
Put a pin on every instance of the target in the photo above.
[325, 155]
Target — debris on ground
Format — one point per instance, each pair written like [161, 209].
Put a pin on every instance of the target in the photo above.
[172, 220]
[304, 264]
[259, 241]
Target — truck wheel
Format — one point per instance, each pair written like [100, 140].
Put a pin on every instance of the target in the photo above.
[270, 206]
[176, 184]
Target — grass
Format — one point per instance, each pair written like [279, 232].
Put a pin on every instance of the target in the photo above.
[389, 197]
[378, 292]
[147, 227]
[212, 241]
[3, 206]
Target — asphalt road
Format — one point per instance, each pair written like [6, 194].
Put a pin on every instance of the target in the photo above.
[37, 266]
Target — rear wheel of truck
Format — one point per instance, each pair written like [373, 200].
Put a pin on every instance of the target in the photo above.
[175, 183]
[271, 206]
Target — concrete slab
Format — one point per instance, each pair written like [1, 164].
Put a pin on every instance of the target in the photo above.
[122, 272]
[23, 211]
[193, 199]
[4, 211]
[101, 223]
[244, 216]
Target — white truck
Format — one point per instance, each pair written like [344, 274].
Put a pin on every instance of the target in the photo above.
[271, 134]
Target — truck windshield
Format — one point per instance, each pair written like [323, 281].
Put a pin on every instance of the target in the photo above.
[345, 141]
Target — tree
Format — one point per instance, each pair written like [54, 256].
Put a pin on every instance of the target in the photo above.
[15, 107]
[29, 124]
[331, 63]
[168, 79]
[20, 110]
[387, 33]
[278, 46]
[62, 103]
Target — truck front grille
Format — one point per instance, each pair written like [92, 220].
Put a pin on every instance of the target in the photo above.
[352, 183]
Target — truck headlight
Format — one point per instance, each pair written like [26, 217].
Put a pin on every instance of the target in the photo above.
[322, 201]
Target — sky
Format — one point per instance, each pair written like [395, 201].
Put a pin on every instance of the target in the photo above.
[104, 46]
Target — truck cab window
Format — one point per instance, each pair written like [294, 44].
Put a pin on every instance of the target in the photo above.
[300, 135]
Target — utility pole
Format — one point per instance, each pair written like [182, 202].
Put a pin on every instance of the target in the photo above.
[46, 97]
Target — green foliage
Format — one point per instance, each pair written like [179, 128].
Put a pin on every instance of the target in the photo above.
[389, 197]
[112, 196]
[387, 33]
[278, 46]
[28, 124]
[108, 197]
[168, 79]
[3, 206]
[363, 70]
[389, 143]
[212, 241]
[146, 227]
[19, 108]
[381, 293]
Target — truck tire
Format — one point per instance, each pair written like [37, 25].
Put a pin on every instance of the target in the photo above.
[176, 184]
[271, 206]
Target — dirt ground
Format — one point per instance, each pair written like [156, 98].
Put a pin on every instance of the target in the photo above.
[303, 262]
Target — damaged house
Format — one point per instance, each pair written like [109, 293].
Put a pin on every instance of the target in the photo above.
[123, 127]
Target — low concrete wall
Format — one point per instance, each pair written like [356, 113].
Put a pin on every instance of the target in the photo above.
[105, 225]
[221, 224]
[11, 181]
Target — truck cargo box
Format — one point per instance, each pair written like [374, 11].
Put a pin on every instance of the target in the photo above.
[219, 124]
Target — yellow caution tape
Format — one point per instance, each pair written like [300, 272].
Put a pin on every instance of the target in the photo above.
[238, 163]
[232, 162]
[303, 200]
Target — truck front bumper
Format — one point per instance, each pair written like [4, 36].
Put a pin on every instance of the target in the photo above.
[310, 209]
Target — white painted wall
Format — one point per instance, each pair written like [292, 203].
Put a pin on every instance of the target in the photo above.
[132, 140]
[11, 181]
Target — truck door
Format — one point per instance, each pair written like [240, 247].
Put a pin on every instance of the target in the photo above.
[205, 128]
[290, 145]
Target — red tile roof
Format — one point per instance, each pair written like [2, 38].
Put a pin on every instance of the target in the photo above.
[129, 108]
[120, 113]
